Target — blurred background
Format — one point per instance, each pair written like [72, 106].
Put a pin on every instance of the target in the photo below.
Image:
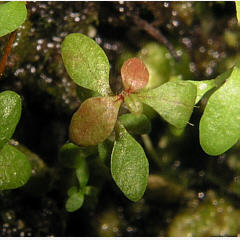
[189, 193]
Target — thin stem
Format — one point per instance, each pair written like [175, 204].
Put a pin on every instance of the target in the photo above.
[150, 149]
[156, 33]
[6, 52]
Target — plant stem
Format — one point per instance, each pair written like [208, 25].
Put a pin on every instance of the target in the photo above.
[150, 149]
[156, 33]
[6, 52]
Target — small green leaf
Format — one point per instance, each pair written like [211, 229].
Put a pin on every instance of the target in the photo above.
[75, 201]
[129, 165]
[136, 125]
[238, 10]
[72, 190]
[105, 150]
[134, 75]
[12, 15]
[72, 156]
[94, 120]
[15, 168]
[10, 112]
[133, 104]
[86, 63]
[82, 173]
[174, 101]
[203, 87]
[219, 125]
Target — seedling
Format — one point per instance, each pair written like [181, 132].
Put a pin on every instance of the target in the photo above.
[97, 117]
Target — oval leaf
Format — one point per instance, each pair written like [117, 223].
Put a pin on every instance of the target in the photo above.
[12, 15]
[134, 75]
[129, 165]
[10, 112]
[94, 120]
[74, 202]
[82, 173]
[15, 168]
[219, 125]
[86, 63]
[174, 101]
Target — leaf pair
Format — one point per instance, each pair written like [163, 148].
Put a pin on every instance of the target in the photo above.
[15, 168]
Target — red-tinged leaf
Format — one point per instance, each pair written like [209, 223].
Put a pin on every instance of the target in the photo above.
[134, 75]
[94, 120]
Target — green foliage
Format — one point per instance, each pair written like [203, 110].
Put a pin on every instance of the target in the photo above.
[86, 63]
[162, 66]
[10, 112]
[133, 104]
[136, 124]
[73, 156]
[174, 101]
[221, 117]
[15, 168]
[94, 121]
[75, 201]
[202, 88]
[12, 15]
[205, 86]
[129, 165]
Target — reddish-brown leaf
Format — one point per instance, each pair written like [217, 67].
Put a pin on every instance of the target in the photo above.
[94, 120]
[134, 75]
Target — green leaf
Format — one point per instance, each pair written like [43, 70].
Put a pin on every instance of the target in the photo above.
[86, 63]
[134, 75]
[206, 85]
[133, 104]
[136, 125]
[75, 201]
[10, 112]
[105, 150]
[238, 10]
[12, 15]
[129, 165]
[72, 190]
[94, 120]
[219, 125]
[174, 101]
[203, 87]
[15, 168]
[82, 173]
[72, 156]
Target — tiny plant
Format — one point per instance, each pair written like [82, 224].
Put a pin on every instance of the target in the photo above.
[98, 117]
[15, 168]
